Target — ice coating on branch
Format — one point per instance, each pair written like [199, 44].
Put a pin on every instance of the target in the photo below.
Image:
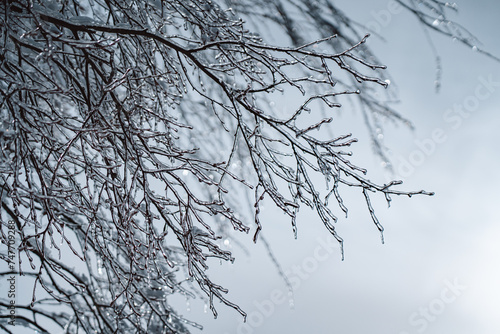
[82, 20]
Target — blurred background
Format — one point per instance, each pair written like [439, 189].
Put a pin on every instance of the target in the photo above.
[438, 271]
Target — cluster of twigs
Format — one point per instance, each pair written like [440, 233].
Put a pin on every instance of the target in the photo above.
[126, 127]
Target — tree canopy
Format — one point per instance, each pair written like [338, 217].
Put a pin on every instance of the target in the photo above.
[134, 133]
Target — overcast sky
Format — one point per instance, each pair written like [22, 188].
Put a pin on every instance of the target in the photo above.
[438, 271]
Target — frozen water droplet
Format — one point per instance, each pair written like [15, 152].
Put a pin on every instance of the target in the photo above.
[226, 242]
[387, 81]
[474, 48]
[99, 267]
[380, 136]
[205, 308]
[291, 299]
[272, 104]
[435, 23]
[186, 172]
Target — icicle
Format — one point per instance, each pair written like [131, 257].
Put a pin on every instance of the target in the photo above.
[291, 298]
[100, 267]
[62, 235]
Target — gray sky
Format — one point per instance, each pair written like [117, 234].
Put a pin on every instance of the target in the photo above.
[438, 271]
